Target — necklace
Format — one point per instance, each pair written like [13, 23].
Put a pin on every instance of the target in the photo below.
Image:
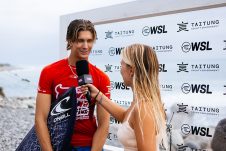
[71, 68]
[74, 75]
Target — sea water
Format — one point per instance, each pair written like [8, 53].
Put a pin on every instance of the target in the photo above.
[20, 82]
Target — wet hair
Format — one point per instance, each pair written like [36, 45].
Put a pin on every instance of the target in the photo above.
[75, 27]
[143, 59]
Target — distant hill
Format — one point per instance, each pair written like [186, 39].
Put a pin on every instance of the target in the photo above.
[6, 66]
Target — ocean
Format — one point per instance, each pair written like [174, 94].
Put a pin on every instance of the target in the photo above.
[21, 81]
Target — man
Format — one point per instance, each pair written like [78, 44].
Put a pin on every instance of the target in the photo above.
[57, 77]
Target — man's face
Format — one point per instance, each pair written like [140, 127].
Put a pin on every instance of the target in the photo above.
[82, 47]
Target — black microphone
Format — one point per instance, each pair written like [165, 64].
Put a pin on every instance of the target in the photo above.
[82, 69]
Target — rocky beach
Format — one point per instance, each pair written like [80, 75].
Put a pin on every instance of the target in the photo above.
[17, 117]
[17, 107]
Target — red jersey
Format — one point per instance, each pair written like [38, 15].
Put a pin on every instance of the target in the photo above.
[56, 78]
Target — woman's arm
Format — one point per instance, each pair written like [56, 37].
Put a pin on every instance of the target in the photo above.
[43, 103]
[114, 109]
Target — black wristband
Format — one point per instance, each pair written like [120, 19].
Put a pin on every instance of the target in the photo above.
[96, 95]
[101, 99]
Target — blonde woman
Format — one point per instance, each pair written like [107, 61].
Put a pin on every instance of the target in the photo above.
[143, 125]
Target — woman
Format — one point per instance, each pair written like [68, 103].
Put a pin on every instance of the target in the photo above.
[143, 125]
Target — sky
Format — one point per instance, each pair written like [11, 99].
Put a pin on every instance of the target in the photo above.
[29, 29]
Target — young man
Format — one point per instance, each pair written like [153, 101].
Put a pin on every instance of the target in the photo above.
[57, 77]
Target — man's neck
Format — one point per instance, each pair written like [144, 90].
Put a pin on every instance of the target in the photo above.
[72, 60]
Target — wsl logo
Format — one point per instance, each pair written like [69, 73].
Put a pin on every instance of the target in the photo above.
[115, 51]
[185, 129]
[162, 68]
[118, 86]
[186, 46]
[113, 120]
[195, 130]
[196, 46]
[196, 88]
[161, 29]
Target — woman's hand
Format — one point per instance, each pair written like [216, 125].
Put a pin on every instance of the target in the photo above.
[89, 87]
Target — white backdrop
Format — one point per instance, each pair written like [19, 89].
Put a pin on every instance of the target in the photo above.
[191, 48]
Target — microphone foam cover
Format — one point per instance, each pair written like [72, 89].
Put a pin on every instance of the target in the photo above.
[82, 67]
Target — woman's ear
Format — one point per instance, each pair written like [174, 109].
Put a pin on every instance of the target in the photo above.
[131, 71]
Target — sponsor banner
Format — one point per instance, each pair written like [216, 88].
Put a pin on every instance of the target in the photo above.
[111, 34]
[198, 67]
[196, 88]
[191, 48]
[201, 24]
[196, 127]
[152, 30]
[196, 46]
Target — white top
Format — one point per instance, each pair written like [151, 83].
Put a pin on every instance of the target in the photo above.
[126, 136]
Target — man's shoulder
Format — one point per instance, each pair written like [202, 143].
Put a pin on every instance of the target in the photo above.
[55, 65]
[96, 71]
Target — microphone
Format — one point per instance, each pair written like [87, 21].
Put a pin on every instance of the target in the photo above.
[82, 70]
